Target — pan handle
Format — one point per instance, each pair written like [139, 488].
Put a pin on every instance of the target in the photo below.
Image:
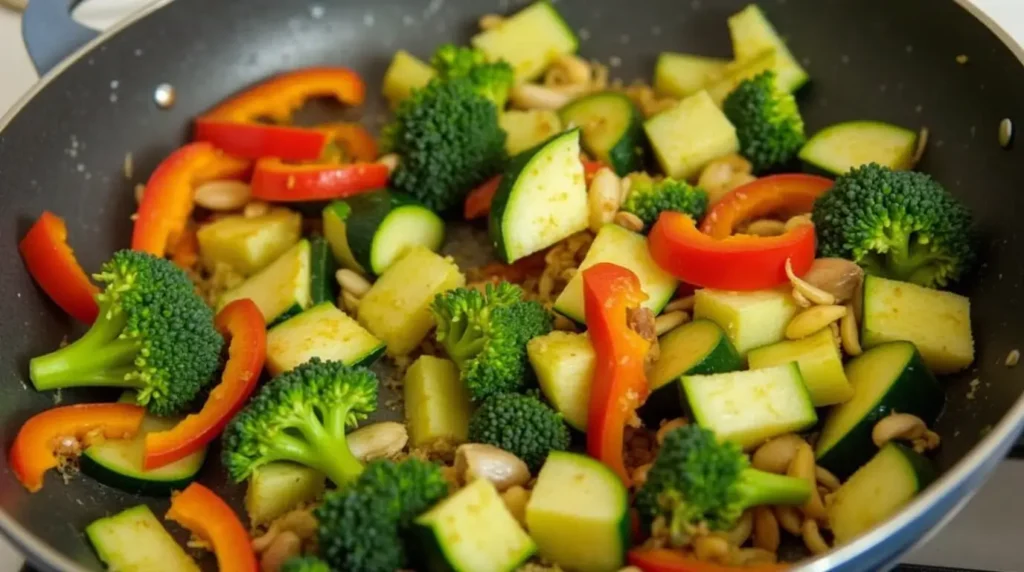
[51, 34]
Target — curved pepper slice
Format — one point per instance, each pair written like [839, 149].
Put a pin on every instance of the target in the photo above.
[276, 181]
[35, 449]
[53, 265]
[620, 384]
[786, 195]
[666, 560]
[207, 516]
[277, 98]
[256, 140]
[167, 201]
[355, 142]
[478, 201]
[243, 323]
[738, 262]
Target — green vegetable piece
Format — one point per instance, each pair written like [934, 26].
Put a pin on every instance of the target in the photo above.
[767, 120]
[649, 198]
[520, 424]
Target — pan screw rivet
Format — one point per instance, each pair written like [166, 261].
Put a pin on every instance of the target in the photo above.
[164, 95]
[1005, 133]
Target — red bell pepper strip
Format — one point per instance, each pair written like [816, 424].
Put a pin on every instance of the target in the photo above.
[276, 181]
[787, 195]
[208, 517]
[52, 264]
[666, 560]
[167, 201]
[478, 201]
[35, 449]
[257, 140]
[738, 262]
[358, 144]
[619, 384]
[243, 323]
[277, 98]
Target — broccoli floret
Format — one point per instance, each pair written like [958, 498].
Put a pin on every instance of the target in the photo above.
[153, 334]
[301, 416]
[520, 424]
[897, 224]
[767, 120]
[361, 526]
[486, 333]
[698, 480]
[305, 564]
[649, 198]
[449, 141]
[493, 80]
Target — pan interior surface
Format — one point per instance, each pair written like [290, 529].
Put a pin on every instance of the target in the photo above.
[66, 149]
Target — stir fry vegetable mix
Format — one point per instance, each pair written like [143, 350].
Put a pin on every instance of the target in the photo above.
[812, 302]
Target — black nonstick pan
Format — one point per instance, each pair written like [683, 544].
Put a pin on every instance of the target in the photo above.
[925, 63]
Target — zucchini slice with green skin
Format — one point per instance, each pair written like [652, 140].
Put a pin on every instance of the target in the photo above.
[133, 540]
[529, 40]
[379, 227]
[542, 198]
[437, 405]
[708, 135]
[323, 286]
[627, 249]
[612, 126]
[281, 289]
[682, 75]
[820, 363]
[697, 348]
[322, 331]
[564, 365]
[578, 514]
[753, 34]
[471, 531]
[885, 379]
[750, 407]
[878, 490]
[838, 148]
[278, 487]
[118, 462]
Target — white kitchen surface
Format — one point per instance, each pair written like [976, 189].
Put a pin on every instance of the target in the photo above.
[987, 535]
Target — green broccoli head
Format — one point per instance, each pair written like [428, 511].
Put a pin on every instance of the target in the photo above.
[361, 526]
[492, 80]
[305, 564]
[698, 480]
[486, 334]
[520, 424]
[767, 120]
[154, 334]
[897, 224]
[449, 141]
[649, 198]
[301, 416]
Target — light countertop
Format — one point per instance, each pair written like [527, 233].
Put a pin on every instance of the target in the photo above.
[986, 535]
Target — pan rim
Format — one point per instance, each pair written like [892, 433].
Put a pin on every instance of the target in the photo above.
[991, 449]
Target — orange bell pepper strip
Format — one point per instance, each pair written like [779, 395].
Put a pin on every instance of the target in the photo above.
[276, 181]
[667, 560]
[277, 98]
[243, 323]
[184, 249]
[786, 195]
[619, 384]
[208, 517]
[167, 201]
[257, 140]
[478, 201]
[53, 266]
[36, 447]
[738, 262]
[356, 142]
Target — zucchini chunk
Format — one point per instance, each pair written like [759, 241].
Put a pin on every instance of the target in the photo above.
[752, 34]
[578, 514]
[564, 365]
[737, 72]
[612, 129]
[838, 148]
[323, 286]
[133, 540]
[709, 135]
[405, 73]
[248, 244]
[682, 75]
[750, 407]
[322, 331]
[821, 365]
[937, 322]
[542, 199]
[278, 487]
[280, 289]
[528, 128]
[529, 40]
[437, 406]
[885, 379]
[751, 319]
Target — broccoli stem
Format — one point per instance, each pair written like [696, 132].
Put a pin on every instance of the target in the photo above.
[98, 358]
[756, 488]
[322, 446]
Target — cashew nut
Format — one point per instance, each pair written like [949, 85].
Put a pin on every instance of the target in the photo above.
[755, 556]
[789, 519]
[222, 195]
[809, 291]
[765, 227]
[813, 319]
[669, 321]
[352, 282]
[826, 478]
[516, 498]
[849, 334]
[533, 96]
[837, 276]
[378, 441]
[603, 198]
[681, 304]
[723, 175]
[766, 529]
[812, 537]
[710, 548]
[284, 547]
[905, 427]
[629, 221]
[739, 534]
[776, 454]
[479, 461]
[803, 467]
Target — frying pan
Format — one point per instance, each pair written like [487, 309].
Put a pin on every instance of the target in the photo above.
[63, 148]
